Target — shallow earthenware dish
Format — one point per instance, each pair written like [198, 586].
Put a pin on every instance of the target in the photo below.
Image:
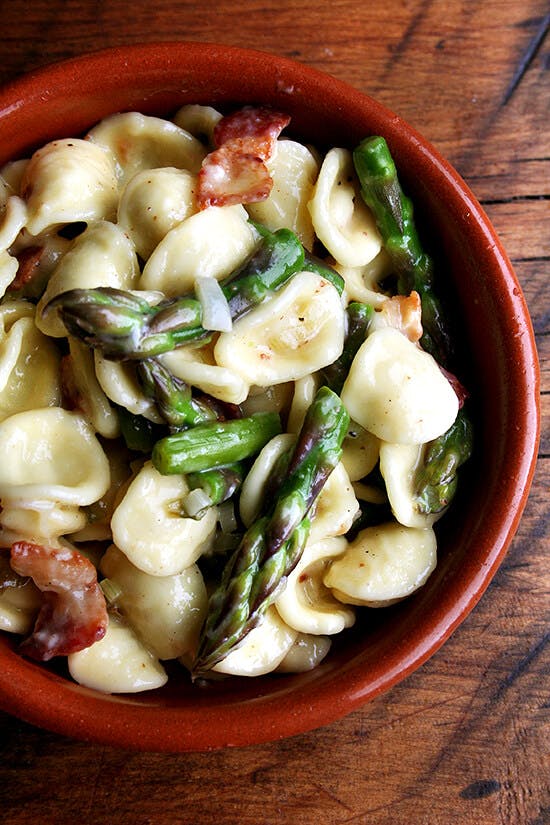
[499, 365]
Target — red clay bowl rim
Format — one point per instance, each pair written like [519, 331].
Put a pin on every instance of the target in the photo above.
[47, 700]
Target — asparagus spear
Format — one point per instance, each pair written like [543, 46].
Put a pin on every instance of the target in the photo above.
[173, 396]
[125, 326]
[214, 443]
[272, 546]
[358, 320]
[216, 485]
[436, 479]
[393, 212]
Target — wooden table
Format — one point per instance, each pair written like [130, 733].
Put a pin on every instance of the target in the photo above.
[465, 739]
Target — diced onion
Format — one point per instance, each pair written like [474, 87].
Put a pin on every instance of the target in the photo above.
[226, 517]
[215, 309]
[196, 503]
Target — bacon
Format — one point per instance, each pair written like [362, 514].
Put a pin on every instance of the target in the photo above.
[459, 388]
[29, 267]
[73, 614]
[258, 126]
[235, 172]
[405, 314]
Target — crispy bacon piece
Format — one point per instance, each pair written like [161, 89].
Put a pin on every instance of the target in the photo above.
[405, 314]
[73, 614]
[235, 172]
[28, 269]
[258, 126]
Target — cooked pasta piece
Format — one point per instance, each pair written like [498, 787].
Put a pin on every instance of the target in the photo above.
[101, 256]
[152, 203]
[54, 457]
[382, 565]
[300, 330]
[294, 170]
[200, 121]
[306, 604]
[82, 390]
[29, 362]
[149, 528]
[166, 612]
[398, 463]
[120, 384]
[197, 368]
[361, 450]
[340, 218]
[396, 391]
[19, 606]
[336, 507]
[208, 244]
[253, 491]
[67, 181]
[306, 653]
[262, 649]
[140, 142]
[119, 663]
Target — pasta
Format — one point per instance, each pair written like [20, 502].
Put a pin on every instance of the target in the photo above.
[180, 465]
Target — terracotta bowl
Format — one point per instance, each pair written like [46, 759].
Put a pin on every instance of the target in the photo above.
[499, 366]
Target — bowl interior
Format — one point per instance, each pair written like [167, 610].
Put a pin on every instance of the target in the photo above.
[497, 361]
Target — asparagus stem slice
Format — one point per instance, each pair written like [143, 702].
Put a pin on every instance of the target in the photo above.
[358, 317]
[125, 326]
[172, 395]
[393, 212]
[273, 545]
[436, 479]
[214, 444]
[218, 484]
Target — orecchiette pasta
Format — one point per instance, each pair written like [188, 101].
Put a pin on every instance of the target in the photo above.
[118, 663]
[204, 431]
[300, 331]
[340, 218]
[67, 181]
[140, 142]
[383, 564]
[166, 612]
[102, 256]
[187, 251]
[396, 391]
[306, 604]
[149, 528]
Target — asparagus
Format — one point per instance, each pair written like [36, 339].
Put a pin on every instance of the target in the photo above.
[358, 319]
[273, 544]
[173, 396]
[217, 486]
[124, 326]
[393, 212]
[436, 478]
[214, 444]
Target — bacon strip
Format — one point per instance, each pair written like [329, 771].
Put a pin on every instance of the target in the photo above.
[235, 172]
[405, 314]
[73, 615]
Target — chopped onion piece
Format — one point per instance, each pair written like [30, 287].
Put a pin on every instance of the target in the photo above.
[196, 503]
[215, 309]
[226, 517]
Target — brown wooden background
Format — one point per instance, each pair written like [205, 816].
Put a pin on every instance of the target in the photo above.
[464, 740]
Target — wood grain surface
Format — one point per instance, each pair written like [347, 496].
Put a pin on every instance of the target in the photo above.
[465, 739]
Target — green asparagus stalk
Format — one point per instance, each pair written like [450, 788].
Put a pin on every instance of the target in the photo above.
[139, 433]
[124, 326]
[217, 485]
[436, 478]
[358, 320]
[214, 444]
[273, 545]
[173, 396]
[314, 264]
[393, 212]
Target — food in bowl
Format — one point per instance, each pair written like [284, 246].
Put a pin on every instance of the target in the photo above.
[227, 400]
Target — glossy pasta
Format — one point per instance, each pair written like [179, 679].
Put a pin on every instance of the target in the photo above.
[149, 211]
